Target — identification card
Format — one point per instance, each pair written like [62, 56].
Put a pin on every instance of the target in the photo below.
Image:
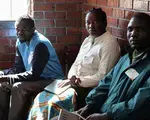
[131, 73]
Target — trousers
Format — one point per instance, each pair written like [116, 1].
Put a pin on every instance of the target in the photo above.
[15, 100]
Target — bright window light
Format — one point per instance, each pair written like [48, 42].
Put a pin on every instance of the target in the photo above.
[12, 9]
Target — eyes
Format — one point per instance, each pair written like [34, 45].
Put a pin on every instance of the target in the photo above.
[137, 29]
[129, 29]
[22, 29]
[92, 22]
[26, 29]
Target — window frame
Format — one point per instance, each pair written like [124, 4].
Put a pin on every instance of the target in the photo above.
[13, 11]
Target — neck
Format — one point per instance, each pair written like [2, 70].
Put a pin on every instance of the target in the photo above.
[28, 42]
[139, 51]
[99, 34]
[30, 38]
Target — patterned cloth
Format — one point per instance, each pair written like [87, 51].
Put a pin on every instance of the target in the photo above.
[47, 105]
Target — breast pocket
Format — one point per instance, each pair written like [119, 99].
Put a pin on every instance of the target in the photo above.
[88, 60]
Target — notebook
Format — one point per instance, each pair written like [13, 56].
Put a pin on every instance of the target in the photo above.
[53, 87]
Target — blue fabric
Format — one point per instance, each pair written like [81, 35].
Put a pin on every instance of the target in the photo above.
[52, 69]
[47, 105]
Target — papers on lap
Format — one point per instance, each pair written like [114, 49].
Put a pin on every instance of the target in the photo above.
[53, 87]
[65, 115]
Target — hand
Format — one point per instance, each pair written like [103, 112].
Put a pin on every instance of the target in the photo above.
[1, 73]
[75, 81]
[5, 86]
[98, 116]
[63, 83]
[84, 112]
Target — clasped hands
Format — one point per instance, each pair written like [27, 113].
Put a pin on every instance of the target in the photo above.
[73, 81]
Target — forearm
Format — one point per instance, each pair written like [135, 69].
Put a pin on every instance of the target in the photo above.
[86, 111]
[99, 94]
[10, 71]
[25, 76]
[89, 81]
[138, 106]
[17, 68]
[96, 98]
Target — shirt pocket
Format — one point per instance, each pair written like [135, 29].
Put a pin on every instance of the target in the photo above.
[88, 60]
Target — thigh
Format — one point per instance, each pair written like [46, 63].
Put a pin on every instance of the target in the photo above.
[80, 97]
[47, 105]
[32, 86]
[5, 89]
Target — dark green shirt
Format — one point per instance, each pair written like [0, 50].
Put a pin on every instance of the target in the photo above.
[119, 96]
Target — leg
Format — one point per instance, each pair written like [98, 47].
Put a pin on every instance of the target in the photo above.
[47, 105]
[22, 94]
[80, 97]
[4, 101]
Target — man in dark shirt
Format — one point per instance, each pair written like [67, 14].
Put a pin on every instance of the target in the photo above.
[36, 65]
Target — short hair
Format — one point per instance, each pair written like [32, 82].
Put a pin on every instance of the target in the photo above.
[100, 14]
[143, 17]
[27, 18]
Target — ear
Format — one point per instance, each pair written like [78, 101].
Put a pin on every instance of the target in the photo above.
[33, 29]
[105, 24]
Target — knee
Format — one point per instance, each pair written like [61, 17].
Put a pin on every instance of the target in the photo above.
[17, 88]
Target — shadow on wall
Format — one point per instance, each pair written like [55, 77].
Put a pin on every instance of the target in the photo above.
[68, 56]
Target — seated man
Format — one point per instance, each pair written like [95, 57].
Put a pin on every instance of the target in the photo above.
[99, 52]
[35, 67]
[124, 94]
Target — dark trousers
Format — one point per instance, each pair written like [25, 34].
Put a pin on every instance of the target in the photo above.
[80, 97]
[17, 106]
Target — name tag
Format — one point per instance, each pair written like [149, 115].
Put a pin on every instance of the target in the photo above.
[131, 73]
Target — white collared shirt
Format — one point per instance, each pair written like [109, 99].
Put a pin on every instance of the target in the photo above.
[96, 59]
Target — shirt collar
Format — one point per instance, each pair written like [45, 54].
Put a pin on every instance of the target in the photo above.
[143, 55]
[99, 38]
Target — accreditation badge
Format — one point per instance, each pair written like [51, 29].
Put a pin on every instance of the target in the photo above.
[131, 73]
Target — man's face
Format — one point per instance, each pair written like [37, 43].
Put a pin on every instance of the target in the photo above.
[93, 26]
[138, 34]
[24, 31]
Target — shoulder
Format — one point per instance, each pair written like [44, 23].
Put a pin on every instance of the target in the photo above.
[108, 41]
[86, 40]
[124, 58]
[40, 38]
[109, 38]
